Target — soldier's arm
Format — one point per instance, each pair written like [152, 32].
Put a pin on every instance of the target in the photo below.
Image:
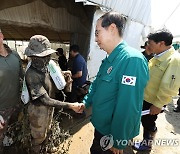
[39, 94]
[46, 100]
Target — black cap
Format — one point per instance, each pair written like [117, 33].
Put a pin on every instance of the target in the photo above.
[145, 44]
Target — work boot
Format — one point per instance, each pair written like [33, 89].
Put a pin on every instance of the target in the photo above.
[146, 144]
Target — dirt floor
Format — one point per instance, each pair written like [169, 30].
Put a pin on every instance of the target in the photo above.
[82, 131]
[168, 124]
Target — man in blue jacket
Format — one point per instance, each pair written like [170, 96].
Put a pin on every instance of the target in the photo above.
[116, 95]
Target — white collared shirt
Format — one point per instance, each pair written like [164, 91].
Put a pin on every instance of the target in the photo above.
[160, 54]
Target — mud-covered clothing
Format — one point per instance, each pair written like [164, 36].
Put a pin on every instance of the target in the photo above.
[40, 118]
[41, 106]
[6, 114]
[39, 83]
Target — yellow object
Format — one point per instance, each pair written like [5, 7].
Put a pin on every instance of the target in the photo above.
[164, 80]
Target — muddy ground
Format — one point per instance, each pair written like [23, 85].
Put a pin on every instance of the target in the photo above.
[168, 124]
[81, 134]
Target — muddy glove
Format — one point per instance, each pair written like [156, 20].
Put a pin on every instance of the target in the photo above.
[2, 123]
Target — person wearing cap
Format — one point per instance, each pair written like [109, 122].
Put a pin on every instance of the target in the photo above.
[41, 91]
[10, 76]
[146, 52]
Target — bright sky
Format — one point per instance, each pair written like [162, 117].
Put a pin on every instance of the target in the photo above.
[161, 14]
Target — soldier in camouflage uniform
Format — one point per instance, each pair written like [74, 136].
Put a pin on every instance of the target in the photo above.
[41, 90]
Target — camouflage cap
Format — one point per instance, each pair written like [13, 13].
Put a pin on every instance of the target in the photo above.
[39, 46]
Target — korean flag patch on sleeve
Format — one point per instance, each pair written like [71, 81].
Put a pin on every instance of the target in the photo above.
[129, 80]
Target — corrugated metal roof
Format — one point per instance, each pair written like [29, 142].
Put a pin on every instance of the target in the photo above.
[58, 20]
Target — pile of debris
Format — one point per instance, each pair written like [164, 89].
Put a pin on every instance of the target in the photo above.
[18, 137]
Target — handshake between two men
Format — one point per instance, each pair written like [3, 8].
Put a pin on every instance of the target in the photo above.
[77, 107]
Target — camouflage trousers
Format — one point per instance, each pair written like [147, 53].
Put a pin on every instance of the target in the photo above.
[40, 118]
[6, 114]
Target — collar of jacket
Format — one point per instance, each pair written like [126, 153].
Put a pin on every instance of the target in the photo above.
[166, 55]
[116, 51]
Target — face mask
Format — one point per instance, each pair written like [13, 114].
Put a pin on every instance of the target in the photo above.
[40, 63]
